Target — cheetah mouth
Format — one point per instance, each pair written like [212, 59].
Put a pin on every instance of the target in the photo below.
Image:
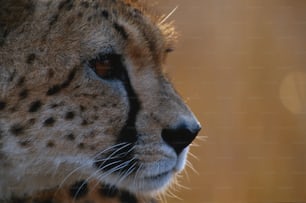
[164, 175]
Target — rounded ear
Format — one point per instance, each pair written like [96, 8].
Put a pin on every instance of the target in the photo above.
[12, 14]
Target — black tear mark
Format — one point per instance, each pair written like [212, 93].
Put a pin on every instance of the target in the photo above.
[79, 189]
[120, 29]
[128, 133]
[58, 87]
[35, 106]
[126, 197]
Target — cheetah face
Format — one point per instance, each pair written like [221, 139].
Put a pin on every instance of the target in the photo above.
[83, 96]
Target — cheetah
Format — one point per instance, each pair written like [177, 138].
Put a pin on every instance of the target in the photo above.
[86, 111]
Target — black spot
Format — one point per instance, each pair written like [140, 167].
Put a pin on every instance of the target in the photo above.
[109, 191]
[35, 106]
[82, 108]
[66, 4]
[126, 197]
[2, 105]
[80, 14]
[53, 106]
[13, 109]
[50, 143]
[69, 115]
[137, 12]
[70, 21]
[49, 122]
[85, 4]
[23, 94]
[50, 73]
[17, 129]
[70, 137]
[58, 87]
[121, 30]
[84, 122]
[53, 90]
[96, 6]
[53, 19]
[31, 121]
[81, 145]
[21, 81]
[12, 76]
[24, 143]
[89, 18]
[30, 58]
[105, 14]
[79, 189]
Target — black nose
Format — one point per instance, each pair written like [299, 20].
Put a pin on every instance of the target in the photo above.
[180, 137]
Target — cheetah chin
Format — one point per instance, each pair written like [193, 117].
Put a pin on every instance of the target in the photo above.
[85, 105]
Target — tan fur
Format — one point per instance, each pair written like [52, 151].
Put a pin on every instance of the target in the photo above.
[58, 117]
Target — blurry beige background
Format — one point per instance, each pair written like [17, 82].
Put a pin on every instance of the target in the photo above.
[241, 66]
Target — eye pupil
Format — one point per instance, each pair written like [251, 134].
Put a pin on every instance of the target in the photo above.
[103, 68]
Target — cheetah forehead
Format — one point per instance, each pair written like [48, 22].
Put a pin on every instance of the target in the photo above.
[79, 30]
[44, 16]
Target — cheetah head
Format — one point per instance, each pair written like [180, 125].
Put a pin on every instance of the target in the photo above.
[83, 96]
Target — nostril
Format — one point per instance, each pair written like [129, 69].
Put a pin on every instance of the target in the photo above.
[180, 137]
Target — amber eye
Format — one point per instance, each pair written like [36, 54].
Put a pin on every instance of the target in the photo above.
[102, 68]
[105, 66]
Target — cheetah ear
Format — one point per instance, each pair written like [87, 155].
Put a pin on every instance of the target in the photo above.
[12, 14]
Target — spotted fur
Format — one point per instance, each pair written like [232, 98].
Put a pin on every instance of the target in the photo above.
[86, 114]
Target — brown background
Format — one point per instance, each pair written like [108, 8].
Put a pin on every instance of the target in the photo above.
[241, 66]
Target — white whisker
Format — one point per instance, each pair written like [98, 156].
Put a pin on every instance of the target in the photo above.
[168, 16]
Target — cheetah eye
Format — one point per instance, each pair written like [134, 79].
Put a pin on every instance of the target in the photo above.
[106, 66]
